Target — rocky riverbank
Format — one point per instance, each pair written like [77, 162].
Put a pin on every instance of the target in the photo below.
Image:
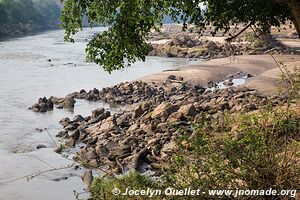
[144, 137]
[184, 45]
[173, 42]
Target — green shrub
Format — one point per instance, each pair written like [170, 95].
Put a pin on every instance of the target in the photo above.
[254, 151]
[102, 188]
[256, 42]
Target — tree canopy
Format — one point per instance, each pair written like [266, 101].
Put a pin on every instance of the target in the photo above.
[130, 21]
[41, 13]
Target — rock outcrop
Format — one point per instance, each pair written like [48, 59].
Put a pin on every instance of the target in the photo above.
[148, 134]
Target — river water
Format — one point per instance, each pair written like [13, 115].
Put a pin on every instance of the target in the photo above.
[25, 75]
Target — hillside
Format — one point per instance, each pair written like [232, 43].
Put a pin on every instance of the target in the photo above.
[21, 16]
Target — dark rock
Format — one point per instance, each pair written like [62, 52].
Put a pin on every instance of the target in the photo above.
[145, 106]
[120, 152]
[139, 157]
[228, 83]
[97, 112]
[101, 151]
[171, 77]
[101, 117]
[43, 105]
[72, 127]
[65, 122]
[138, 111]
[223, 106]
[90, 154]
[40, 146]
[62, 134]
[78, 118]
[249, 75]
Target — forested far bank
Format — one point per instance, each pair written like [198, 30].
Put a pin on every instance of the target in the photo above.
[23, 16]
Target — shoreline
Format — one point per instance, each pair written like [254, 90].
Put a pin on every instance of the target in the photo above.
[158, 100]
[263, 68]
[145, 136]
[4, 38]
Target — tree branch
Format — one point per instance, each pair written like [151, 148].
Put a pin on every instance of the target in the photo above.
[229, 39]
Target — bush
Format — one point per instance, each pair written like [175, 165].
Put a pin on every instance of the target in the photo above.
[256, 42]
[256, 150]
[260, 151]
[102, 188]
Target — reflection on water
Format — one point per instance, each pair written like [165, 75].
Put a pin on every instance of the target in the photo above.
[43, 65]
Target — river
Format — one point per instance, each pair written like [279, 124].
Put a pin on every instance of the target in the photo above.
[25, 75]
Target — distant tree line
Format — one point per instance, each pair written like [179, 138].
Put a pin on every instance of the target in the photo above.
[17, 16]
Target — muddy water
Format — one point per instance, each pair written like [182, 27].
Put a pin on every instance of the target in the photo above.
[25, 75]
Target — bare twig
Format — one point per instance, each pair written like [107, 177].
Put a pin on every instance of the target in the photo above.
[31, 176]
[51, 137]
[42, 161]
[27, 149]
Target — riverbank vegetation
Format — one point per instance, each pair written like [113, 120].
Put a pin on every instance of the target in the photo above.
[21, 16]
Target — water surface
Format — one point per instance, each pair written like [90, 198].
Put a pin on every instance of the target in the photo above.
[25, 75]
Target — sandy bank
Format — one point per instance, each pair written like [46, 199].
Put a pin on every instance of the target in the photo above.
[263, 67]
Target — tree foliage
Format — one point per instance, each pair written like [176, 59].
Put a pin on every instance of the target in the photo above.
[41, 13]
[130, 21]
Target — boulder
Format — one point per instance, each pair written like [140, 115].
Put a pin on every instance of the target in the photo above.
[138, 111]
[87, 178]
[176, 117]
[228, 83]
[69, 103]
[171, 77]
[65, 122]
[120, 152]
[164, 110]
[139, 157]
[71, 142]
[101, 151]
[107, 125]
[90, 154]
[62, 134]
[188, 110]
[133, 128]
[97, 112]
[153, 142]
[145, 106]
[169, 147]
[101, 117]
[78, 118]
[43, 105]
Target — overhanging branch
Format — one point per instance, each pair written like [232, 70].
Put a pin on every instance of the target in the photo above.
[229, 39]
